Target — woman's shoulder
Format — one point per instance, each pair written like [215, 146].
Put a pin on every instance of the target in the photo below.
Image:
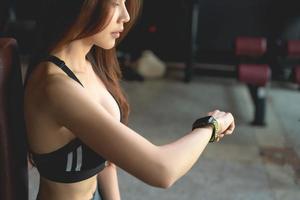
[40, 74]
[46, 79]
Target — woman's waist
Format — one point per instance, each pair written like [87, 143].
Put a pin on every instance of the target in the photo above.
[82, 190]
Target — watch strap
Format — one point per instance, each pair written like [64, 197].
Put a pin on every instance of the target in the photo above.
[208, 121]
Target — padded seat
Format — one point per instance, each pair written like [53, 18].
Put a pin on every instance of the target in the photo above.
[254, 74]
[13, 149]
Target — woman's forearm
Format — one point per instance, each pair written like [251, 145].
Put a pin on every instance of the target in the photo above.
[108, 183]
[178, 157]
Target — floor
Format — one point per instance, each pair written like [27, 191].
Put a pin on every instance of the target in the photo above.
[259, 163]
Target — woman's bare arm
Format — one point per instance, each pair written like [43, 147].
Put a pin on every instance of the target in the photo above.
[108, 183]
[159, 166]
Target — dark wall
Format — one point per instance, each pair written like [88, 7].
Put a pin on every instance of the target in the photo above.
[163, 26]
[220, 22]
[3, 14]
[168, 18]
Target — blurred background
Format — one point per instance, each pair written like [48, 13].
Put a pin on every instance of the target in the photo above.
[185, 58]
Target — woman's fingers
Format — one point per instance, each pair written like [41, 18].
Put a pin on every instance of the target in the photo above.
[228, 132]
[231, 127]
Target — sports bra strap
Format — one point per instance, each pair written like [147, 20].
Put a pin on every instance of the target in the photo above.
[61, 64]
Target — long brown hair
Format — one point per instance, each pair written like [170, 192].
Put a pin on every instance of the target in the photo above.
[63, 21]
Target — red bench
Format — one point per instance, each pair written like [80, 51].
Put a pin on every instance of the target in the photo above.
[253, 71]
[293, 52]
[297, 74]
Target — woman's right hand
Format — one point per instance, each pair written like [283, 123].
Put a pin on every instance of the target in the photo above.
[225, 121]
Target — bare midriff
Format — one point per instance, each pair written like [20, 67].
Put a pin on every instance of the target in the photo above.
[83, 190]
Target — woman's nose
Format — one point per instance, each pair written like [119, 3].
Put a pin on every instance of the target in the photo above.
[125, 16]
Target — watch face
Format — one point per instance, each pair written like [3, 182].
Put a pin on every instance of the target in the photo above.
[204, 121]
[210, 119]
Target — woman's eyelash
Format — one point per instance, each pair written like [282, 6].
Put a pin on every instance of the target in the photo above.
[115, 4]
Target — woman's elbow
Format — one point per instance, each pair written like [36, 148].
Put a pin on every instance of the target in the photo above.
[164, 178]
[165, 184]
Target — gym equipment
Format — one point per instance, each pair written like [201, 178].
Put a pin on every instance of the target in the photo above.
[293, 52]
[13, 148]
[286, 66]
[250, 68]
[253, 71]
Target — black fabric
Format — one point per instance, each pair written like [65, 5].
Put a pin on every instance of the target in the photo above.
[61, 64]
[53, 165]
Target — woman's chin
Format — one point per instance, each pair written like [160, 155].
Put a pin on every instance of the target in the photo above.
[106, 46]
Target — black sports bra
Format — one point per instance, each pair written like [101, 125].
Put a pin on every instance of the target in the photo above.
[73, 162]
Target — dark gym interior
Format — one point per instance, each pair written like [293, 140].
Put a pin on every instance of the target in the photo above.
[237, 55]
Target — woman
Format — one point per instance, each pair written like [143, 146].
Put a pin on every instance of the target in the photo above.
[76, 114]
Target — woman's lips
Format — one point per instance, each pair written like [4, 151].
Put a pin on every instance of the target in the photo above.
[115, 34]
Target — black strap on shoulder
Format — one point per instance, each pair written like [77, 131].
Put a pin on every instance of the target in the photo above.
[61, 64]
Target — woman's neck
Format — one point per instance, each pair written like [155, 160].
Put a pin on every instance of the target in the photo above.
[74, 55]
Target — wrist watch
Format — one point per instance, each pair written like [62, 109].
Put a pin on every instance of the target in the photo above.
[208, 121]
